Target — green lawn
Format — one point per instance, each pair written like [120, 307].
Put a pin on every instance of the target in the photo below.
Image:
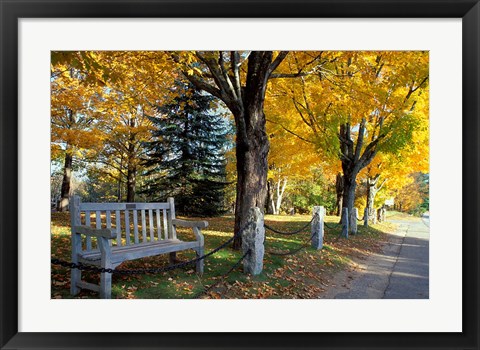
[302, 275]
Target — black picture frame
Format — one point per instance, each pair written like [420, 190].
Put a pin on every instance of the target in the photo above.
[11, 11]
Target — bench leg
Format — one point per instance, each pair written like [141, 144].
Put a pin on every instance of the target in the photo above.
[75, 277]
[106, 284]
[172, 258]
[199, 264]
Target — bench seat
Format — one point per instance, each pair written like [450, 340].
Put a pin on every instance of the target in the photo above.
[137, 251]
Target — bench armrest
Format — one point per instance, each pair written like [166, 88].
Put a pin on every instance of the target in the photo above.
[187, 223]
[95, 232]
[195, 225]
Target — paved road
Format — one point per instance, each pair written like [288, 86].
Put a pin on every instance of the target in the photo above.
[409, 279]
[399, 272]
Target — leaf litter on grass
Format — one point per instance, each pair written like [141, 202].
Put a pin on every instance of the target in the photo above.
[302, 275]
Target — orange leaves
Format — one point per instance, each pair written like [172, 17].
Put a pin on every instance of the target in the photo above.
[387, 88]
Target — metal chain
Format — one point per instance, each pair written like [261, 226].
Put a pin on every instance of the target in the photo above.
[293, 232]
[154, 270]
[222, 279]
[291, 252]
[328, 226]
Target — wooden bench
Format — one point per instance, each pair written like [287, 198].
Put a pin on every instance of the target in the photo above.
[107, 234]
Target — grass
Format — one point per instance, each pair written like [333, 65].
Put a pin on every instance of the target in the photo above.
[302, 275]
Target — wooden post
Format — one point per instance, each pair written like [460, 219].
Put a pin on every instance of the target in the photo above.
[252, 240]
[365, 217]
[345, 222]
[200, 250]
[353, 221]
[75, 274]
[317, 227]
[105, 277]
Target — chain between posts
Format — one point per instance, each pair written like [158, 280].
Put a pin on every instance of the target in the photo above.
[294, 251]
[222, 278]
[154, 270]
[85, 267]
[328, 226]
[293, 232]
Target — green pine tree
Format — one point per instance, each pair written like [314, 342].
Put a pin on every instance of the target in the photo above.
[186, 160]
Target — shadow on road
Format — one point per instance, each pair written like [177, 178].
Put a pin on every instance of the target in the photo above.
[401, 271]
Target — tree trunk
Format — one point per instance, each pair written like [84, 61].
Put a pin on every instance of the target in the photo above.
[67, 180]
[371, 193]
[353, 160]
[131, 165]
[349, 187]
[280, 192]
[119, 189]
[339, 189]
[372, 189]
[131, 180]
[269, 204]
[244, 96]
[252, 168]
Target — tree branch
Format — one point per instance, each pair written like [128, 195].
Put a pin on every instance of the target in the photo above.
[361, 133]
[291, 132]
[202, 85]
[235, 63]
[276, 62]
[383, 183]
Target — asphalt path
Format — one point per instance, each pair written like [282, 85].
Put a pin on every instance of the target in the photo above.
[400, 271]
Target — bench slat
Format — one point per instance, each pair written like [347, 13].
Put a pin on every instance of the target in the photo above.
[118, 227]
[122, 206]
[150, 223]
[108, 215]
[98, 222]
[127, 227]
[142, 250]
[108, 218]
[159, 226]
[144, 228]
[165, 224]
[171, 229]
[98, 219]
[135, 226]
[88, 222]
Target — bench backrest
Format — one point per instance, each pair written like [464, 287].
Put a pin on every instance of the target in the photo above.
[133, 223]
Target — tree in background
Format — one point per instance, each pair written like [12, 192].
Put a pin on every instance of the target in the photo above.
[290, 162]
[73, 121]
[414, 198]
[392, 172]
[312, 190]
[186, 159]
[357, 105]
[136, 82]
[129, 84]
